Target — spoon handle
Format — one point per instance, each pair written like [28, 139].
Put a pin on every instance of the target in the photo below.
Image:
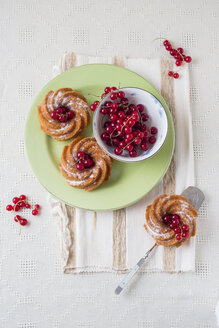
[129, 276]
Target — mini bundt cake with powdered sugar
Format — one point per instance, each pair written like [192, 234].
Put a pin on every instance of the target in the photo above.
[84, 164]
[64, 114]
[171, 220]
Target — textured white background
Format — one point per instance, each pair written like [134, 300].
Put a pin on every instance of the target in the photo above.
[34, 34]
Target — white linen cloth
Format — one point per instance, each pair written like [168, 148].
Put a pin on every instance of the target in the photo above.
[93, 233]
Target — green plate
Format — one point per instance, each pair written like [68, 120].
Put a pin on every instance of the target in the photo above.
[129, 182]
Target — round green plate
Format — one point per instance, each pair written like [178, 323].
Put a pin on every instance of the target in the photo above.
[129, 181]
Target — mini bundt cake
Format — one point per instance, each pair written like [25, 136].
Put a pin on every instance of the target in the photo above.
[64, 114]
[171, 220]
[84, 164]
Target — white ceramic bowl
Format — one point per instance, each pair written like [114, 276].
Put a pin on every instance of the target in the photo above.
[157, 117]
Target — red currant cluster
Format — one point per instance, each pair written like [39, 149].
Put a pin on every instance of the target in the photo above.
[84, 161]
[19, 203]
[126, 128]
[178, 55]
[62, 114]
[173, 221]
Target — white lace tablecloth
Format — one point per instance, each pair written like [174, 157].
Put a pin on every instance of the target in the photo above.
[34, 293]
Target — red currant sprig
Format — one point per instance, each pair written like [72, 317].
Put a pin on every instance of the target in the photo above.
[174, 222]
[179, 55]
[19, 203]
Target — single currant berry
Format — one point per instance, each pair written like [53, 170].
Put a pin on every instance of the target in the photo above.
[177, 230]
[185, 235]
[27, 205]
[140, 107]
[37, 206]
[180, 50]
[22, 197]
[93, 107]
[9, 207]
[80, 155]
[80, 167]
[129, 137]
[121, 115]
[178, 237]
[178, 62]
[113, 88]
[124, 101]
[118, 127]
[109, 129]
[113, 96]
[121, 94]
[168, 47]
[153, 130]
[107, 124]
[104, 110]
[166, 42]
[175, 222]
[130, 147]
[175, 217]
[172, 226]
[173, 52]
[17, 208]
[114, 105]
[88, 162]
[59, 110]
[22, 204]
[137, 141]
[144, 117]
[132, 153]
[34, 212]
[15, 200]
[108, 103]
[170, 73]
[105, 136]
[96, 103]
[23, 222]
[54, 115]
[122, 144]
[62, 118]
[176, 75]
[131, 122]
[188, 59]
[152, 140]
[143, 128]
[17, 218]
[127, 129]
[144, 146]
[112, 110]
[118, 151]
[185, 228]
[140, 134]
[107, 90]
[113, 117]
[146, 134]
[166, 219]
[70, 114]
[119, 121]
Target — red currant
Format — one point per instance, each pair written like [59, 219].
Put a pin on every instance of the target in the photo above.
[107, 90]
[170, 73]
[168, 47]
[178, 237]
[113, 96]
[178, 62]
[93, 107]
[80, 167]
[180, 50]
[54, 115]
[188, 59]
[152, 140]
[27, 205]
[185, 228]
[15, 200]
[23, 222]
[37, 206]
[144, 146]
[166, 42]
[9, 207]
[118, 151]
[17, 218]
[34, 212]
[185, 235]
[133, 153]
[153, 130]
[80, 155]
[176, 75]
[121, 94]
[130, 147]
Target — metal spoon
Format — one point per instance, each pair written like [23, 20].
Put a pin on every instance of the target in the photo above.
[196, 198]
